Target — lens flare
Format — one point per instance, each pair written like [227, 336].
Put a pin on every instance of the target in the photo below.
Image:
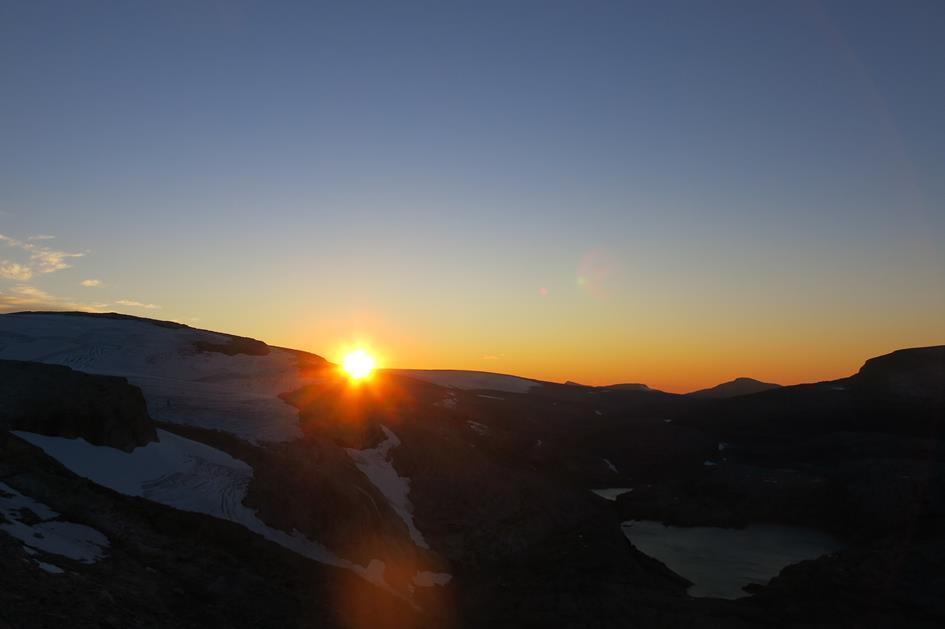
[358, 364]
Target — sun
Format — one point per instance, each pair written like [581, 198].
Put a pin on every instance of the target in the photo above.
[358, 364]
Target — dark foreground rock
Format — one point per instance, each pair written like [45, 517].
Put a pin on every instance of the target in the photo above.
[894, 582]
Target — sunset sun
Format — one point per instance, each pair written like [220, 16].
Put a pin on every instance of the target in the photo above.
[358, 364]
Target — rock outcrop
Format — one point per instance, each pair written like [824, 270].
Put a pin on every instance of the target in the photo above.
[58, 401]
[234, 345]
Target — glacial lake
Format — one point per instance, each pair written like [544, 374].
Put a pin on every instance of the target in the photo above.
[720, 561]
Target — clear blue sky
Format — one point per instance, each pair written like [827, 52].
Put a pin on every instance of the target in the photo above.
[755, 188]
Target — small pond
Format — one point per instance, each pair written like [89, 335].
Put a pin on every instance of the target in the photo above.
[611, 493]
[720, 561]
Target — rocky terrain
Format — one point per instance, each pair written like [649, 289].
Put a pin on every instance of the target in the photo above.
[243, 485]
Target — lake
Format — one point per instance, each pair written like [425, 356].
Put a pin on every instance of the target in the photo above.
[720, 561]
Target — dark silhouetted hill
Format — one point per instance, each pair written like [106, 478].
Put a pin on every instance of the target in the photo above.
[734, 388]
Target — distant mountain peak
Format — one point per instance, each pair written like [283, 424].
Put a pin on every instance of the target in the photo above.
[733, 388]
[629, 386]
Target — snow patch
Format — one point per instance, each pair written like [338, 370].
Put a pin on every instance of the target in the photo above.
[429, 579]
[476, 427]
[448, 402]
[376, 465]
[613, 468]
[48, 567]
[68, 539]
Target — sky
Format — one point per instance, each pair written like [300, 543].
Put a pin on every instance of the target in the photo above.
[673, 193]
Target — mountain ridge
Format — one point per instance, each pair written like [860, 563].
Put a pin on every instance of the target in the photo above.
[427, 491]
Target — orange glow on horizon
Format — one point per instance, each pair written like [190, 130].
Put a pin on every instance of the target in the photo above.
[676, 353]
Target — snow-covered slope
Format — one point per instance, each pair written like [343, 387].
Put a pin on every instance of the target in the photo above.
[237, 394]
[470, 380]
[194, 377]
[376, 465]
[186, 475]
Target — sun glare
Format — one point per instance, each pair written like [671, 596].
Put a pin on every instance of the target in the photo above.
[358, 364]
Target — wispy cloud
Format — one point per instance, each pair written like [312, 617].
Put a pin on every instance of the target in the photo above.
[15, 271]
[31, 292]
[131, 303]
[35, 258]
[42, 259]
[25, 297]
[27, 260]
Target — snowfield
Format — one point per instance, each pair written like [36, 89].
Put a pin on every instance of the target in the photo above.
[469, 380]
[237, 394]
